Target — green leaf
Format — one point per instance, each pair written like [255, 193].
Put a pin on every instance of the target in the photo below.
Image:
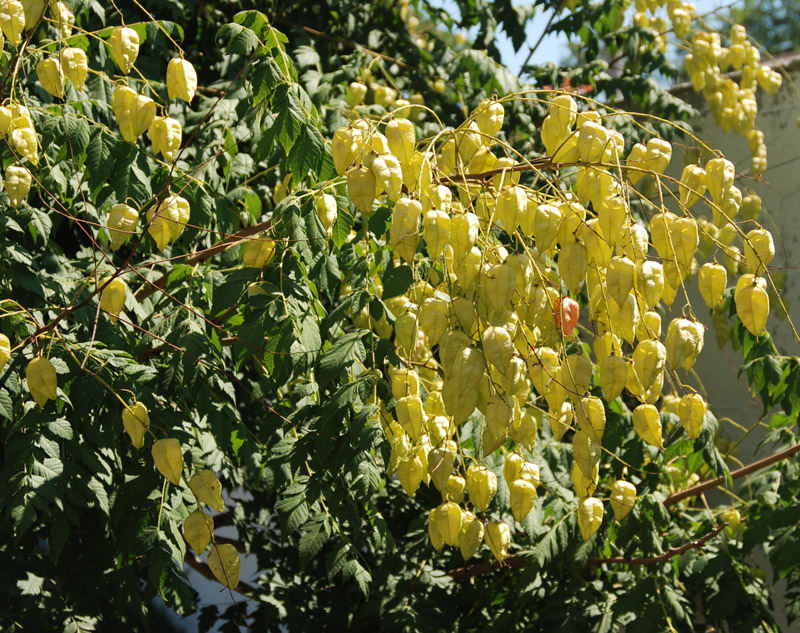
[340, 357]
[396, 281]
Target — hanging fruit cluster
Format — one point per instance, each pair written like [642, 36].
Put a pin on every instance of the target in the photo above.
[492, 337]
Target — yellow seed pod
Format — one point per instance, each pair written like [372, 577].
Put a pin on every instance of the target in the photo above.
[720, 174]
[207, 489]
[498, 347]
[404, 229]
[410, 472]
[591, 415]
[433, 531]
[554, 392]
[464, 229]
[42, 380]
[258, 252]
[572, 263]
[123, 100]
[525, 428]
[623, 498]
[63, 17]
[752, 307]
[489, 116]
[511, 204]
[498, 538]
[433, 319]
[361, 188]
[160, 221]
[481, 485]
[542, 367]
[692, 413]
[564, 111]
[388, 176]
[593, 139]
[759, 250]
[685, 239]
[225, 563]
[712, 279]
[636, 163]
[140, 117]
[522, 496]
[613, 376]
[500, 284]
[508, 177]
[136, 421]
[437, 228]
[75, 66]
[598, 249]
[583, 485]
[440, 463]
[647, 424]
[547, 219]
[356, 95]
[470, 536]
[512, 467]
[168, 458]
[112, 297]
[590, 516]
[455, 489]
[166, 135]
[620, 277]
[468, 140]
[684, 342]
[649, 326]
[48, 71]
[344, 149]
[404, 382]
[562, 421]
[751, 206]
[576, 375]
[411, 416]
[649, 359]
[401, 139]
[650, 282]
[198, 529]
[12, 20]
[327, 210]
[659, 234]
[692, 185]
[5, 351]
[25, 143]
[33, 12]
[632, 241]
[447, 521]
[586, 451]
[605, 344]
[181, 79]
[124, 48]
[17, 183]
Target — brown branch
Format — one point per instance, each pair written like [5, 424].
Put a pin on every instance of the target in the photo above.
[736, 474]
[203, 255]
[662, 558]
[510, 562]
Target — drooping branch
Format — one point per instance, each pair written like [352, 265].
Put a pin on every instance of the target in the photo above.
[662, 558]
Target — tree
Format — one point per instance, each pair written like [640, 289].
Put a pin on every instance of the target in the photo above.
[772, 24]
[258, 263]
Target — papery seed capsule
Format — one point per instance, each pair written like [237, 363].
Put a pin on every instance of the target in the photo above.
[590, 516]
[684, 342]
[124, 48]
[471, 535]
[12, 20]
[112, 297]
[75, 66]
[17, 183]
[647, 424]
[712, 279]
[692, 413]
[181, 79]
[498, 538]
[623, 498]
[42, 380]
[49, 74]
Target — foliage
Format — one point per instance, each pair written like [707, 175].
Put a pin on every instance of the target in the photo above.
[257, 335]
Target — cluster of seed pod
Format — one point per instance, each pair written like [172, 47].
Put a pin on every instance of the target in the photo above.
[490, 338]
[733, 104]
